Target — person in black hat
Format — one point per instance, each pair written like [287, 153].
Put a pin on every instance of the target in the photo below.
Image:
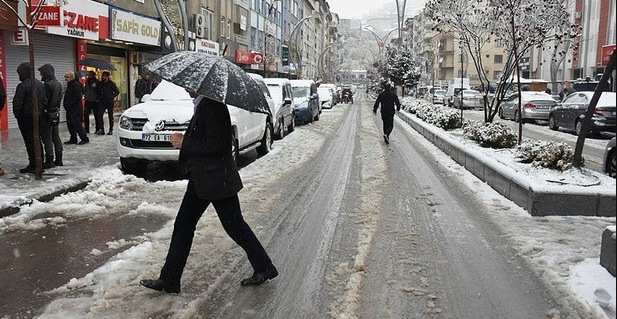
[74, 111]
[108, 91]
[388, 100]
[50, 118]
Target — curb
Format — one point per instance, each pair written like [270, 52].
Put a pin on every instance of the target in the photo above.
[536, 199]
[15, 206]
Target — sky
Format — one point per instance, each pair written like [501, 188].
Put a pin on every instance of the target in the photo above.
[567, 259]
[359, 8]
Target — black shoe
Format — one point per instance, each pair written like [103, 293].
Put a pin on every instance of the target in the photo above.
[111, 132]
[29, 169]
[99, 132]
[386, 139]
[260, 277]
[58, 163]
[70, 142]
[82, 142]
[161, 285]
[48, 165]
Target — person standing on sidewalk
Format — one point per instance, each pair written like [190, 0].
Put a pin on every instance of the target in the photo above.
[91, 104]
[205, 156]
[50, 118]
[74, 111]
[107, 93]
[388, 100]
[2, 101]
[22, 109]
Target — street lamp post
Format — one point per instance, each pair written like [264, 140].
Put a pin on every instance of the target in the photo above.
[266, 19]
[380, 40]
[293, 39]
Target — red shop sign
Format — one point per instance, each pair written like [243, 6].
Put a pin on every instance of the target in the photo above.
[607, 50]
[49, 16]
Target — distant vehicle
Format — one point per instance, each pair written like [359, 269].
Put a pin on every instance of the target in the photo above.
[472, 99]
[438, 96]
[335, 98]
[325, 97]
[282, 95]
[347, 95]
[456, 84]
[534, 106]
[306, 101]
[570, 113]
[610, 159]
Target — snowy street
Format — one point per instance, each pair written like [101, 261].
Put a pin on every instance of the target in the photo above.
[356, 228]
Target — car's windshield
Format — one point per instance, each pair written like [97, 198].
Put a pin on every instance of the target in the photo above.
[301, 91]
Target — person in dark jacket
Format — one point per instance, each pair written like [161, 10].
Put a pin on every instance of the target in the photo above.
[205, 156]
[108, 91]
[22, 109]
[50, 118]
[144, 85]
[388, 100]
[74, 111]
[91, 103]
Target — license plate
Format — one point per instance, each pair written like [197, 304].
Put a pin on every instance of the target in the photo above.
[156, 137]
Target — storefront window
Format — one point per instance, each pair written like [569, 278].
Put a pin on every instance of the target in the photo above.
[120, 77]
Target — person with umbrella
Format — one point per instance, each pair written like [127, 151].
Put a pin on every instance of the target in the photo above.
[108, 91]
[206, 157]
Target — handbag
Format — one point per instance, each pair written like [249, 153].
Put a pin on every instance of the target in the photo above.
[54, 118]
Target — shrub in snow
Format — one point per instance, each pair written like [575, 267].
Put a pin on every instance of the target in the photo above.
[494, 135]
[445, 118]
[547, 154]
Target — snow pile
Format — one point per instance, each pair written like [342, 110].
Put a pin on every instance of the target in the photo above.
[443, 117]
[494, 135]
[558, 156]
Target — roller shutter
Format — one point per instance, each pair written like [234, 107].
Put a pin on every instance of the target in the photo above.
[55, 50]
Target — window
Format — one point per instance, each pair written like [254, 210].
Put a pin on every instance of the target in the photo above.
[496, 75]
[229, 29]
[499, 43]
[207, 23]
[498, 58]
[222, 29]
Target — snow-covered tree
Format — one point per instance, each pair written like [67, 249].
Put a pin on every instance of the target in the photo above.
[399, 66]
[518, 24]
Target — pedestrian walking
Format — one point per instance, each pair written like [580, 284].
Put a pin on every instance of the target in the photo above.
[91, 104]
[388, 100]
[50, 117]
[22, 109]
[108, 91]
[2, 101]
[74, 111]
[144, 85]
[206, 158]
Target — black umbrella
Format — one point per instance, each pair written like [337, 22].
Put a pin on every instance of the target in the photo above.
[213, 77]
[95, 63]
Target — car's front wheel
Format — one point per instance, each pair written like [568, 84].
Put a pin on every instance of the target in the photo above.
[281, 129]
[266, 141]
[552, 124]
[132, 166]
[578, 127]
[292, 126]
[611, 164]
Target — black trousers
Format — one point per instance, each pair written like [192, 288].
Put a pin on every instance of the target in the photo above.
[230, 215]
[109, 107]
[50, 135]
[388, 123]
[73, 122]
[92, 107]
[26, 127]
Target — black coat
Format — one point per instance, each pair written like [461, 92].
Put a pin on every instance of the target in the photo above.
[388, 100]
[107, 91]
[22, 100]
[72, 97]
[205, 154]
[53, 88]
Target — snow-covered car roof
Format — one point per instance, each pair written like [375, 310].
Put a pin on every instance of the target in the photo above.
[167, 91]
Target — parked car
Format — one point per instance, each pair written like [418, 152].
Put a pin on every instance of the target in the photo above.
[439, 96]
[325, 97]
[306, 101]
[335, 97]
[472, 99]
[347, 95]
[610, 158]
[534, 105]
[570, 113]
[282, 95]
[144, 130]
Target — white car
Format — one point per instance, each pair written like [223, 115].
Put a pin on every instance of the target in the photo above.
[282, 94]
[325, 97]
[144, 131]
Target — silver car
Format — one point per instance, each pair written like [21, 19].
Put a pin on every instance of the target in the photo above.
[472, 99]
[534, 106]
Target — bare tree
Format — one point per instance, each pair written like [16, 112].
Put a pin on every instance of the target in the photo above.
[518, 24]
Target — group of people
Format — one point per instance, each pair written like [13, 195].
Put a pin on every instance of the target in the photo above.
[99, 97]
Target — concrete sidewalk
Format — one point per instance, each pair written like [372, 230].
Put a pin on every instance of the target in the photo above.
[80, 161]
